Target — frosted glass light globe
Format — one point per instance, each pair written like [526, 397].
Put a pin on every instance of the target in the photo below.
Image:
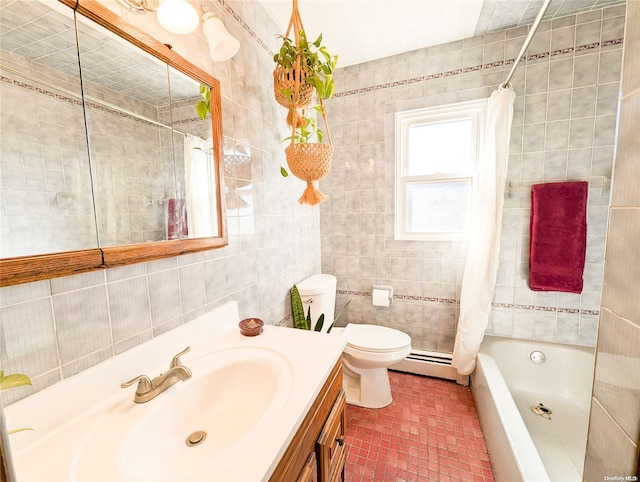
[178, 16]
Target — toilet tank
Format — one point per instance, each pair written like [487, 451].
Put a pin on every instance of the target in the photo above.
[319, 293]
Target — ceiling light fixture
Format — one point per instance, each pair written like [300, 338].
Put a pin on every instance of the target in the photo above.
[176, 16]
[222, 45]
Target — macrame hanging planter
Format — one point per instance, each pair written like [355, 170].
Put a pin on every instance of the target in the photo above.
[284, 82]
[289, 82]
[308, 161]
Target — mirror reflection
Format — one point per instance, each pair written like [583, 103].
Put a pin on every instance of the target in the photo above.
[119, 157]
[145, 138]
[46, 200]
[196, 211]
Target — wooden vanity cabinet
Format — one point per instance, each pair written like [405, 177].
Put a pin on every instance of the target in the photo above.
[310, 470]
[317, 450]
[330, 447]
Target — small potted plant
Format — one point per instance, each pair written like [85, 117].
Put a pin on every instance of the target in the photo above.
[309, 161]
[302, 67]
[303, 322]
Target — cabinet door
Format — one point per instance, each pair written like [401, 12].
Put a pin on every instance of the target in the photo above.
[330, 446]
[310, 471]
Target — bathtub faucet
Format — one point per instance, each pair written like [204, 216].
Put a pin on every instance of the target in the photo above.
[150, 389]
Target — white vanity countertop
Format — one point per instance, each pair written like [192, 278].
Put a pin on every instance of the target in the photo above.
[65, 415]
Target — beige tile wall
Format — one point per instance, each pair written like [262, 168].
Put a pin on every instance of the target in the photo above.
[614, 429]
[563, 128]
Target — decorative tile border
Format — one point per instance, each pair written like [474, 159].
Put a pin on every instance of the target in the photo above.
[92, 105]
[24, 85]
[430, 299]
[224, 4]
[475, 68]
[286, 321]
[451, 301]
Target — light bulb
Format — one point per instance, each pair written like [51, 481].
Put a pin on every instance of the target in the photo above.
[178, 16]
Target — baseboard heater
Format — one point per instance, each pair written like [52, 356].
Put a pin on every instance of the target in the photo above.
[431, 364]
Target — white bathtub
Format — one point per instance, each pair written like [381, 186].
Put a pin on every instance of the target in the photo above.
[522, 445]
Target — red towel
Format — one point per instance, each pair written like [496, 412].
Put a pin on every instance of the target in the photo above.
[558, 236]
[177, 219]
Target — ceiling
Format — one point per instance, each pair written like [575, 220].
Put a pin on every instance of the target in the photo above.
[44, 33]
[363, 30]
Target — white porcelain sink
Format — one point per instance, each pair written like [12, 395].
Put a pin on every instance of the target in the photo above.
[230, 393]
[249, 394]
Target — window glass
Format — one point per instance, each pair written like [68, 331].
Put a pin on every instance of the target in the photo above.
[440, 147]
[438, 207]
[436, 156]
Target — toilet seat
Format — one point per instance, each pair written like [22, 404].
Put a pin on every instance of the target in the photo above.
[375, 338]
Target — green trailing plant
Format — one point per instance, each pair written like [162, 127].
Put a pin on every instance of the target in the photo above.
[306, 131]
[319, 66]
[203, 107]
[315, 59]
[13, 381]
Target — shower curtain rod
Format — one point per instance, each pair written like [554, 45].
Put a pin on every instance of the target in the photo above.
[92, 99]
[527, 41]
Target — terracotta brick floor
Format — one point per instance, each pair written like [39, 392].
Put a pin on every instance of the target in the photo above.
[430, 432]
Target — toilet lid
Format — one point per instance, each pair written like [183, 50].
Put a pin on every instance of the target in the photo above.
[375, 338]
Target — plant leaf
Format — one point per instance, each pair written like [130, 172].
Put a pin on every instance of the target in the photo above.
[202, 109]
[283, 172]
[297, 309]
[308, 319]
[286, 92]
[330, 87]
[12, 381]
[319, 323]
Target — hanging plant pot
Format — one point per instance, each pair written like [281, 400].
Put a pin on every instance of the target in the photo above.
[310, 162]
[284, 88]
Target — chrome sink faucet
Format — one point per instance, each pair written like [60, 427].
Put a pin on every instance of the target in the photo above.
[150, 389]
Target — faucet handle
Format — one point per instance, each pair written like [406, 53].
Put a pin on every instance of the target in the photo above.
[144, 384]
[176, 359]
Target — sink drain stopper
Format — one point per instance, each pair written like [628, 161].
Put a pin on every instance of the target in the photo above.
[196, 438]
[541, 410]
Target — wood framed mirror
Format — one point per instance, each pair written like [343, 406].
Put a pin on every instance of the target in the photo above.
[134, 173]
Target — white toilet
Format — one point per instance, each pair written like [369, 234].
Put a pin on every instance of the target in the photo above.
[370, 349]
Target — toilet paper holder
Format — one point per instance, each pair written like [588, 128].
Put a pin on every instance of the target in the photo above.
[382, 295]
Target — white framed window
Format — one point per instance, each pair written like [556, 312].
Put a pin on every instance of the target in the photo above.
[437, 150]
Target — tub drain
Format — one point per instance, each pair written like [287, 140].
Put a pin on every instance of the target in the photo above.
[196, 438]
[541, 410]
[538, 357]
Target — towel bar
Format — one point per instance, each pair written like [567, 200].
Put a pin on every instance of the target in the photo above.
[602, 182]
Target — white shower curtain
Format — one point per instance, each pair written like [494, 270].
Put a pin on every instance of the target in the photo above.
[479, 279]
[197, 174]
